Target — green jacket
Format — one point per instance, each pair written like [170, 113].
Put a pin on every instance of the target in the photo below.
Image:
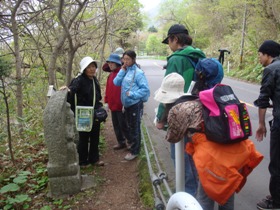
[179, 63]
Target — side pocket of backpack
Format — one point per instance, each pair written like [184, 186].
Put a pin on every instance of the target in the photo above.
[233, 117]
[245, 120]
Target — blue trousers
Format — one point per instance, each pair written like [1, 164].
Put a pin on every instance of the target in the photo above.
[191, 177]
[208, 204]
[133, 116]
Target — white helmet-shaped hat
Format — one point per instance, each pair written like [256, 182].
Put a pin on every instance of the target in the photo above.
[85, 62]
[183, 201]
[119, 51]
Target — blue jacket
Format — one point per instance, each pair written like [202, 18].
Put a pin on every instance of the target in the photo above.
[134, 81]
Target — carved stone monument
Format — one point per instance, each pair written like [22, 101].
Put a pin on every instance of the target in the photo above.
[60, 135]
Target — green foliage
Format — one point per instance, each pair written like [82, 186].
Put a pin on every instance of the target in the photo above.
[218, 24]
[5, 67]
[11, 187]
[17, 189]
[154, 46]
[152, 29]
[145, 187]
[46, 208]
[10, 191]
[126, 19]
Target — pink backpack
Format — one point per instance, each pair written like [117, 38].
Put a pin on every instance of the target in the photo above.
[226, 120]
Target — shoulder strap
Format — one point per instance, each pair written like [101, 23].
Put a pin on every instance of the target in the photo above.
[193, 61]
[132, 80]
[94, 94]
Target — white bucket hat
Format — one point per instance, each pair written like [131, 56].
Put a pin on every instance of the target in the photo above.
[172, 87]
[85, 62]
[119, 51]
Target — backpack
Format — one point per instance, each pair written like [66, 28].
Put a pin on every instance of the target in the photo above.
[226, 119]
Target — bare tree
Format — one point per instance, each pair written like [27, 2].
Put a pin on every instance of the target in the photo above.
[4, 71]
[66, 33]
[14, 9]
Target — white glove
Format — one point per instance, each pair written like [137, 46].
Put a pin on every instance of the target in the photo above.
[106, 107]
[155, 120]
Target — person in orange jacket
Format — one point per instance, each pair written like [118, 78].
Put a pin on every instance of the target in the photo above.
[222, 169]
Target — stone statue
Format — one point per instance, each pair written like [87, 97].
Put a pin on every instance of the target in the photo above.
[60, 136]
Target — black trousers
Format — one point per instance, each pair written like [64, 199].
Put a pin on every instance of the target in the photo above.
[88, 146]
[274, 165]
[120, 126]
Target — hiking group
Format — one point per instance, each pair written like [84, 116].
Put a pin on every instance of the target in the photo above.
[194, 107]
[213, 123]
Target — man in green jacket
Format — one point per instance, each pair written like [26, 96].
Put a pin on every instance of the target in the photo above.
[180, 43]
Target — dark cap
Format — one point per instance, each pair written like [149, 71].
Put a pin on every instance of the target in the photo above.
[175, 29]
[271, 48]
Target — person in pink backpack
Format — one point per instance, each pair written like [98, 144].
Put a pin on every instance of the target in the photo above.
[222, 169]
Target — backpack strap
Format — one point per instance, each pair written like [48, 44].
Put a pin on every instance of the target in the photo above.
[193, 61]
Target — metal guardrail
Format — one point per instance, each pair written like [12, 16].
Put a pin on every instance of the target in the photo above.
[179, 200]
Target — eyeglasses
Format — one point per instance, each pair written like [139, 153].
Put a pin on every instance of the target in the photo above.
[127, 59]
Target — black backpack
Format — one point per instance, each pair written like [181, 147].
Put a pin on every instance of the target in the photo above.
[226, 119]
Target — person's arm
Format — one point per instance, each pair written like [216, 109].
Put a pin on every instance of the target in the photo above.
[261, 131]
[107, 90]
[142, 89]
[161, 117]
[119, 78]
[266, 90]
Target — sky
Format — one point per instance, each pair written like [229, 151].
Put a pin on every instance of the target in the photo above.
[149, 4]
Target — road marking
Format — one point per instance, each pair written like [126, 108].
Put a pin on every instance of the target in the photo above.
[156, 64]
[251, 105]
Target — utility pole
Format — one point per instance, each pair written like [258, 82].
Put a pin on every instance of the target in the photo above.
[243, 34]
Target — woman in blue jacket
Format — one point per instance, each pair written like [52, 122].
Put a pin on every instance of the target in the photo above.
[134, 91]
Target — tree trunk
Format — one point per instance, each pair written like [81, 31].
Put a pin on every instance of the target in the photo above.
[8, 121]
[52, 64]
[104, 41]
[243, 35]
[15, 32]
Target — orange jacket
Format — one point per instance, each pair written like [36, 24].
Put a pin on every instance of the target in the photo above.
[222, 168]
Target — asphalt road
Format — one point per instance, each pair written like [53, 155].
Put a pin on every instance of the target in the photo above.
[256, 186]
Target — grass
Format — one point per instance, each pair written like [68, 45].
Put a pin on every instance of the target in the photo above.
[147, 192]
[25, 184]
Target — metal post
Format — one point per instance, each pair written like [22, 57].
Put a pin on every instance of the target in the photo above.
[180, 166]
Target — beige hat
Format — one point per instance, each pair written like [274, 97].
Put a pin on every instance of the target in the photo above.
[85, 62]
[172, 87]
